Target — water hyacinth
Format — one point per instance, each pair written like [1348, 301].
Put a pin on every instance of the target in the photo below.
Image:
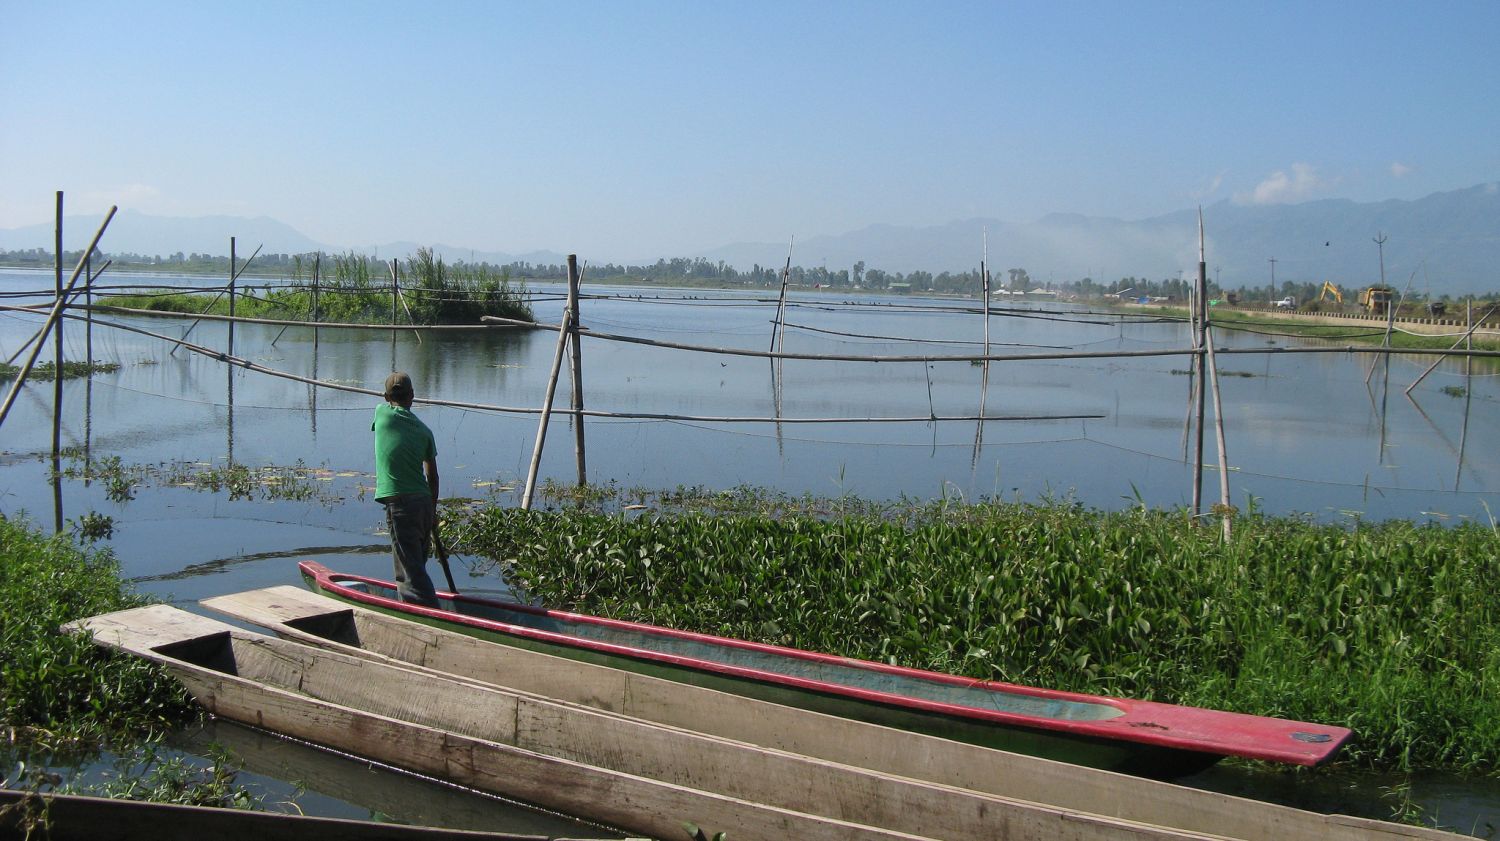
[59, 689]
[1389, 629]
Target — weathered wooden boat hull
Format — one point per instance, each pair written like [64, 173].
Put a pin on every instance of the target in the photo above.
[63, 817]
[1137, 737]
[307, 617]
[396, 796]
[614, 769]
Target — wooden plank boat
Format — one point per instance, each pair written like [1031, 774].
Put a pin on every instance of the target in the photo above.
[1137, 737]
[620, 771]
[375, 788]
[66, 817]
[303, 616]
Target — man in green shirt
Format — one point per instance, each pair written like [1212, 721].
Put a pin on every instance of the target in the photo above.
[406, 483]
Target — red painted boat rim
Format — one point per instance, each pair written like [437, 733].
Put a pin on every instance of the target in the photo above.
[1139, 722]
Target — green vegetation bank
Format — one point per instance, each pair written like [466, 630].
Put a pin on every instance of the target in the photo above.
[354, 289]
[1391, 629]
[65, 700]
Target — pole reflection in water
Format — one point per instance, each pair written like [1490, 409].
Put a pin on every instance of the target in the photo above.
[229, 427]
[57, 506]
[776, 405]
[984, 390]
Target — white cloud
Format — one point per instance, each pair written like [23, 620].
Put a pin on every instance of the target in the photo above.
[1209, 189]
[1281, 187]
[1400, 170]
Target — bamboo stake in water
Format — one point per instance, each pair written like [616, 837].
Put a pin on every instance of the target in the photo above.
[57, 308]
[317, 265]
[1213, 372]
[233, 274]
[88, 357]
[984, 279]
[57, 342]
[88, 312]
[541, 428]
[577, 348]
[1201, 316]
[57, 382]
[1462, 339]
[778, 328]
[232, 259]
[1463, 436]
[395, 290]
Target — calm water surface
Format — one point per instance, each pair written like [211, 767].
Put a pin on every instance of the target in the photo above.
[1305, 433]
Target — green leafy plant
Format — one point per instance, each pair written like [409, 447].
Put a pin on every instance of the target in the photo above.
[1388, 628]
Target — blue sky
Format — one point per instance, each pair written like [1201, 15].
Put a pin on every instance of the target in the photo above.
[635, 130]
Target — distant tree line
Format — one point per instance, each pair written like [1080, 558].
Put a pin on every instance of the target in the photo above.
[698, 271]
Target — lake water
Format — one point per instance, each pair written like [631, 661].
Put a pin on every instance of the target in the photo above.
[1305, 434]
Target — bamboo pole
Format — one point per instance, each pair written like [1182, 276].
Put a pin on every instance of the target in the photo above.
[410, 319]
[541, 428]
[232, 260]
[55, 315]
[1461, 340]
[395, 291]
[1213, 372]
[576, 344]
[88, 309]
[205, 314]
[994, 357]
[88, 355]
[778, 329]
[1213, 369]
[984, 279]
[57, 341]
[1200, 311]
[35, 337]
[1463, 435]
[57, 380]
[593, 413]
[317, 266]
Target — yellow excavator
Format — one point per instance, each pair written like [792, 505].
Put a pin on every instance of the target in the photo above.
[1330, 291]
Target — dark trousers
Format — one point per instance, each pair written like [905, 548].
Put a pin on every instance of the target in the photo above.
[409, 517]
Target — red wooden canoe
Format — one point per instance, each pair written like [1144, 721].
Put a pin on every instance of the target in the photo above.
[1141, 737]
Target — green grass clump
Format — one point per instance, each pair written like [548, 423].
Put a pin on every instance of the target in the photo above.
[59, 689]
[358, 291]
[1391, 629]
[48, 370]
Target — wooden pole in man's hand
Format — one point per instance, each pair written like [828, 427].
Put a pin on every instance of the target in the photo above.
[442, 552]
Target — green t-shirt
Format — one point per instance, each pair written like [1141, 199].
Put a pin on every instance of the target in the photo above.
[402, 443]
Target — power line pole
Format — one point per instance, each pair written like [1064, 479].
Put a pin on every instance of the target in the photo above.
[1272, 261]
[1379, 241]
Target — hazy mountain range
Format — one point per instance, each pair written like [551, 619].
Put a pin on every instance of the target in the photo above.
[1444, 243]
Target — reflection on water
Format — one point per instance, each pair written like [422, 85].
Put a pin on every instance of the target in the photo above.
[1305, 433]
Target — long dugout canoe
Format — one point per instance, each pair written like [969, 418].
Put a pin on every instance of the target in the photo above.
[306, 617]
[1117, 734]
[620, 771]
[67, 817]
